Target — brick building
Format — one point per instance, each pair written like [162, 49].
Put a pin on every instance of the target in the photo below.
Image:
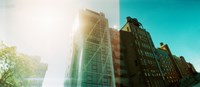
[121, 75]
[106, 57]
[145, 65]
[137, 51]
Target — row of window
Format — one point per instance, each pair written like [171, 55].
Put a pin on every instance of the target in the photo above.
[144, 45]
[172, 81]
[97, 57]
[163, 56]
[98, 68]
[138, 30]
[95, 38]
[163, 59]
[147, 62]
[93, 48]
[155, 83]
[141, 34]
[152, 71]
[152, 74]
[145, 53]
[144, 39]
[96, 80]
[92, 20]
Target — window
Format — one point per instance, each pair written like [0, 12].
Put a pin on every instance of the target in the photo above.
[145, 62]
[139, 52]
[145, 74]
[89, 78]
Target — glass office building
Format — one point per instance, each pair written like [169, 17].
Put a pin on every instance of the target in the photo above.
[91, 64]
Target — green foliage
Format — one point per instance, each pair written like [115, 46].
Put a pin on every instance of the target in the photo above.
[15, 68]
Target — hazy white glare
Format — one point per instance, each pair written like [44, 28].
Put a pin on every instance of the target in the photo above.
[2, 20]
[43, 28]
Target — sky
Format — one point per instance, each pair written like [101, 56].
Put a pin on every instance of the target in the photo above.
[2, 21]
[44, 28]
[174, 22]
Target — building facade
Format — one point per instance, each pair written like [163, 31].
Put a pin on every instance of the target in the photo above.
[146, 65]
[175, 69]
[120, 69]
[192, 71]
[137, 51]
[92, 56]
[183, 65]
[169, 72]
[106, 57]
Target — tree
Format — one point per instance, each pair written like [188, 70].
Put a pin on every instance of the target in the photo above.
[7, 58]
[15, 68]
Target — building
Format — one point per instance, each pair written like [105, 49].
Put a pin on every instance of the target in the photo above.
[176, 71]
[121, 75]
[183, 66]
[192, 71]
[145, 65]
[105, 57]
[168, 69]
[137, 51]
[91, 64]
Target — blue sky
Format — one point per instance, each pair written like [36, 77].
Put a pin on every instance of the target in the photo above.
[174, 22]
